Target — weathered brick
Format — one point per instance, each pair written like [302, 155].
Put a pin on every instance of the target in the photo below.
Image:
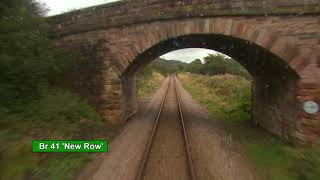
[111, 41]
[284, 49]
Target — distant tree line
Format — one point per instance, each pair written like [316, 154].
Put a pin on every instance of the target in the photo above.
[212, 64]
[164, 67]
[216, 64]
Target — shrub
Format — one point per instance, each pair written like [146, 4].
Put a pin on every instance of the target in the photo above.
[228, 96]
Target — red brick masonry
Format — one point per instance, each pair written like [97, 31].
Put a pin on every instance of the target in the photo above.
[277, 41]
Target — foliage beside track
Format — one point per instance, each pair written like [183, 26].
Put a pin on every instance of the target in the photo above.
[148, 82]
[228, 98]
[32, 105]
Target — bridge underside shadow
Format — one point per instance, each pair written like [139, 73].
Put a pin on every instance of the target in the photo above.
[274, 82]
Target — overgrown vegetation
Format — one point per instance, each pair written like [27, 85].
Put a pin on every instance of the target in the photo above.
[148, 81]
[148, 84]
[228, 98]
[31, 105]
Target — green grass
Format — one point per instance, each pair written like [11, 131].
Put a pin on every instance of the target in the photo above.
[61, 166]
[228, 98]
[58, 114]
[149, 82]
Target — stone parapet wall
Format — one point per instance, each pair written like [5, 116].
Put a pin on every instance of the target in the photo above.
[130, 12]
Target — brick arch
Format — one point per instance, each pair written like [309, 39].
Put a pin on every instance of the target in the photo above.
[263, 34]
[282, 117]
[281, 92]
[121, 40]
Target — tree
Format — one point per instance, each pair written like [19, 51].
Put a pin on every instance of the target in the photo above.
[27, 58]
[217, 64]
[195, 66]
[164, 67]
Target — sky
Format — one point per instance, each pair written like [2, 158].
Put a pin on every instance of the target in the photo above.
[188, 54]
[62, 6]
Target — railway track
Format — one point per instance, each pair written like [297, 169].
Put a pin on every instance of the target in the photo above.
[167, 154]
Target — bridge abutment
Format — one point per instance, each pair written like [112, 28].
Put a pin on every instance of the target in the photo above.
[274, 106]
[308, 125]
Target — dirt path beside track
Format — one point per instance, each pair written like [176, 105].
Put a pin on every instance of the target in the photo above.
[214, 154]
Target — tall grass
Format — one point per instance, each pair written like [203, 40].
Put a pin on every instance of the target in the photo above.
[228, 96]
[148, 83]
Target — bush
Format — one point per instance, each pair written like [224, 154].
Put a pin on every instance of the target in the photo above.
[228, 96]
[62, 105]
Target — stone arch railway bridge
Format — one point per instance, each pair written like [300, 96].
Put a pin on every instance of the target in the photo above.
[277, 41]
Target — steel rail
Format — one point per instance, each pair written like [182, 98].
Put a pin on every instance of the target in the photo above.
[146, 153]
[190, 163]
[186, 142]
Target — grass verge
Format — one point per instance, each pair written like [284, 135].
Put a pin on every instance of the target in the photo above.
[58, 114]
[228, 98]
[149, 82]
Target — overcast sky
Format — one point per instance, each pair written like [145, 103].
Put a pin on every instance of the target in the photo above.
[188, 55]
[62, 6]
